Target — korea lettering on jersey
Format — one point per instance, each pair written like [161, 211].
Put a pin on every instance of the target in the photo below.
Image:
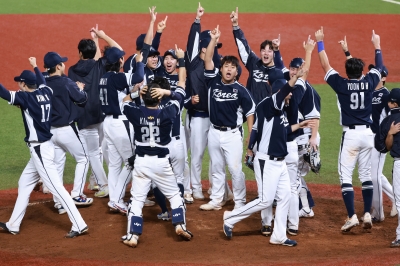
[227, 102]
[354, 96]
[380, 108]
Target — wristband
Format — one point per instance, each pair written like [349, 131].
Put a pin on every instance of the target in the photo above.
[134, 95]
[181, 62]
[320, 46]
[347, 53]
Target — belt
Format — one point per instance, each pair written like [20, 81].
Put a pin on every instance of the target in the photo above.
[223, 128]
[358, 126]
[158, 156]
[36, 143]
[272, 158]
[123, 117]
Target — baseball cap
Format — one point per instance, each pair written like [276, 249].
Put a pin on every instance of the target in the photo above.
[140, 41]
[153, 51]
[26, 76]
[171, 52]
[384, 70]
[394, 95]
[113, 54]
[296, 62]
[278, 84]
[51, 59]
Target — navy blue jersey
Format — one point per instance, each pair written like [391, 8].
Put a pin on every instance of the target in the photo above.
[354, 96]
[112, 84]
[228, 103]
[271, 124]
[176, 127]
[380, 108]
[152, 127]
[292, 110]
[260, 77]
[309, 107]
[89, 72]
[66, 94]
[382, 133]
[36, 109]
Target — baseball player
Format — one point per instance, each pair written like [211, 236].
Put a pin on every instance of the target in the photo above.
[36, 106]
[88, 70]
[270, 133]
[380, 110]
[262, 70]
[355, 105]
[229, 103]
[387, 139]
[152, 136]
[66, 95]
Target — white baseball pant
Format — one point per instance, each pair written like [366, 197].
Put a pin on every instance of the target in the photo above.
[292, 160]
[396, 191]
[273, 182]
[226, 148]
[177, 157]
[118, 134]
[41, 165]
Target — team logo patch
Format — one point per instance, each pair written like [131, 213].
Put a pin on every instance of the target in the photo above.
[150, 117]
[235, 91]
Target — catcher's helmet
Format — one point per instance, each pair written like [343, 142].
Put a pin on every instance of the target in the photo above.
[296, 62]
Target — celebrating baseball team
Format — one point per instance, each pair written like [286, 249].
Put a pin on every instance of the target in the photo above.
[129, 115]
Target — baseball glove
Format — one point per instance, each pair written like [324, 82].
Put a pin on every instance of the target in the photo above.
[131, 162]
[249, 162]
[312, 157]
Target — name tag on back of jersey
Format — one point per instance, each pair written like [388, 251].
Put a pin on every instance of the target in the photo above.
[42, 98]
[357, 86]
[147, 120]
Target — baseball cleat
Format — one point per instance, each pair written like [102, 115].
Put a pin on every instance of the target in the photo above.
[111, 204]
[292, 232]
[4, 227]
[304, 214]
[209, 207]
[393, 211]
[288, 242]
[82, 200]
[367, 221]
[73, 234]
[121, 207]
[198, 195]
[103, 192]
[149, 203]
[266, 230]
[92, 184]
[227, 231]
[188, 198]
[163, 216]
[395, 244]
[181, 231]
[130, 240]
[350, 223]
[61, 210]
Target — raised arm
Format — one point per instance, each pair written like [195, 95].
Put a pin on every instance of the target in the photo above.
[182, 69]
[308, 47]
[149, 35]
[160, 28]
[288, 87]
[192, 47]
[376, 41]
[39, 76]
[101, 34]
[345, 48]
[208, 62]
[323, 58]
[278, 61]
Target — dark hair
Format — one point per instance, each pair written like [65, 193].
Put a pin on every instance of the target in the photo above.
[52, 70]
[88, 48]
[354, 68]
[265, 43]
[31, 86]
[147, 99]
[105, 48]
[113, 67]
[162, 82]
[230, 59]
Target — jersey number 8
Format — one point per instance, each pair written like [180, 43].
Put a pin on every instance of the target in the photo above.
[357, 100]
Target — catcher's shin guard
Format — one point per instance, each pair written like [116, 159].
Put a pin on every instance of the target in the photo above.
[177, 216]
[136, 225]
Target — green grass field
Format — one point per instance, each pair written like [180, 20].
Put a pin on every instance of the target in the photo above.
[14, 154]
[185, 6]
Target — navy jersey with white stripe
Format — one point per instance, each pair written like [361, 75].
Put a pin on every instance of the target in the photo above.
[309, 107]
[380, 108]
[153, 126]
[227, 103]
[292, 110]
[176, 127]
[112, 83]
[36, 109]
[354, 96]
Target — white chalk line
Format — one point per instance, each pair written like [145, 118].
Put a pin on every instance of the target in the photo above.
[392, 1]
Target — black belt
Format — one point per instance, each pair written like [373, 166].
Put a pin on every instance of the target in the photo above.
[34, 142]
[354, 126]
[159, 156]
[223, 128]
[272, 158]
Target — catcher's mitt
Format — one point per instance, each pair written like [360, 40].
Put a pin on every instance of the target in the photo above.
[249, 162]
[313, 159]
[131, 162]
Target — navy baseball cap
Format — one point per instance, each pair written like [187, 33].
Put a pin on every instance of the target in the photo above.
[171, 52]
[51, 59]
[296, 62]
[140, 42]
[113, 54]
[394, 95]
[153, 51]
[278, 84]
[384, 70]
[26, 76]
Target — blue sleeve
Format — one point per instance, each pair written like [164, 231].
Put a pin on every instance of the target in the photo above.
[246, 54]
[378, 59]
[188, 102]
[128, 66]
[14, 97]
[281, 95]
[253, 139]
[145, 51]
[192, 47]
[156, 41]
[247, 103]
[209, 75]
[288, 129]
[75, 94]
[5, 94]
[138, 76]
[39, 77]
[380, 137]
[181, 91]
[278, 61]
[335, 80]
[216, 58]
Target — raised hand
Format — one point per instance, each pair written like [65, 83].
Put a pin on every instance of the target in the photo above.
[309, 45]
[137, 86]
[153, 14]
[32, 61]
[319, 34]
[157, 93]
[376, 40]
[216, 33]
[276, 43]
[235, 17]
[93, 34]
[343, 43]
[200, 11]
[99, 33]
[179, 52]
[162, 25]
[301, 72]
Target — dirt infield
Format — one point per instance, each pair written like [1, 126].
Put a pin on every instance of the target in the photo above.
[41, 241]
